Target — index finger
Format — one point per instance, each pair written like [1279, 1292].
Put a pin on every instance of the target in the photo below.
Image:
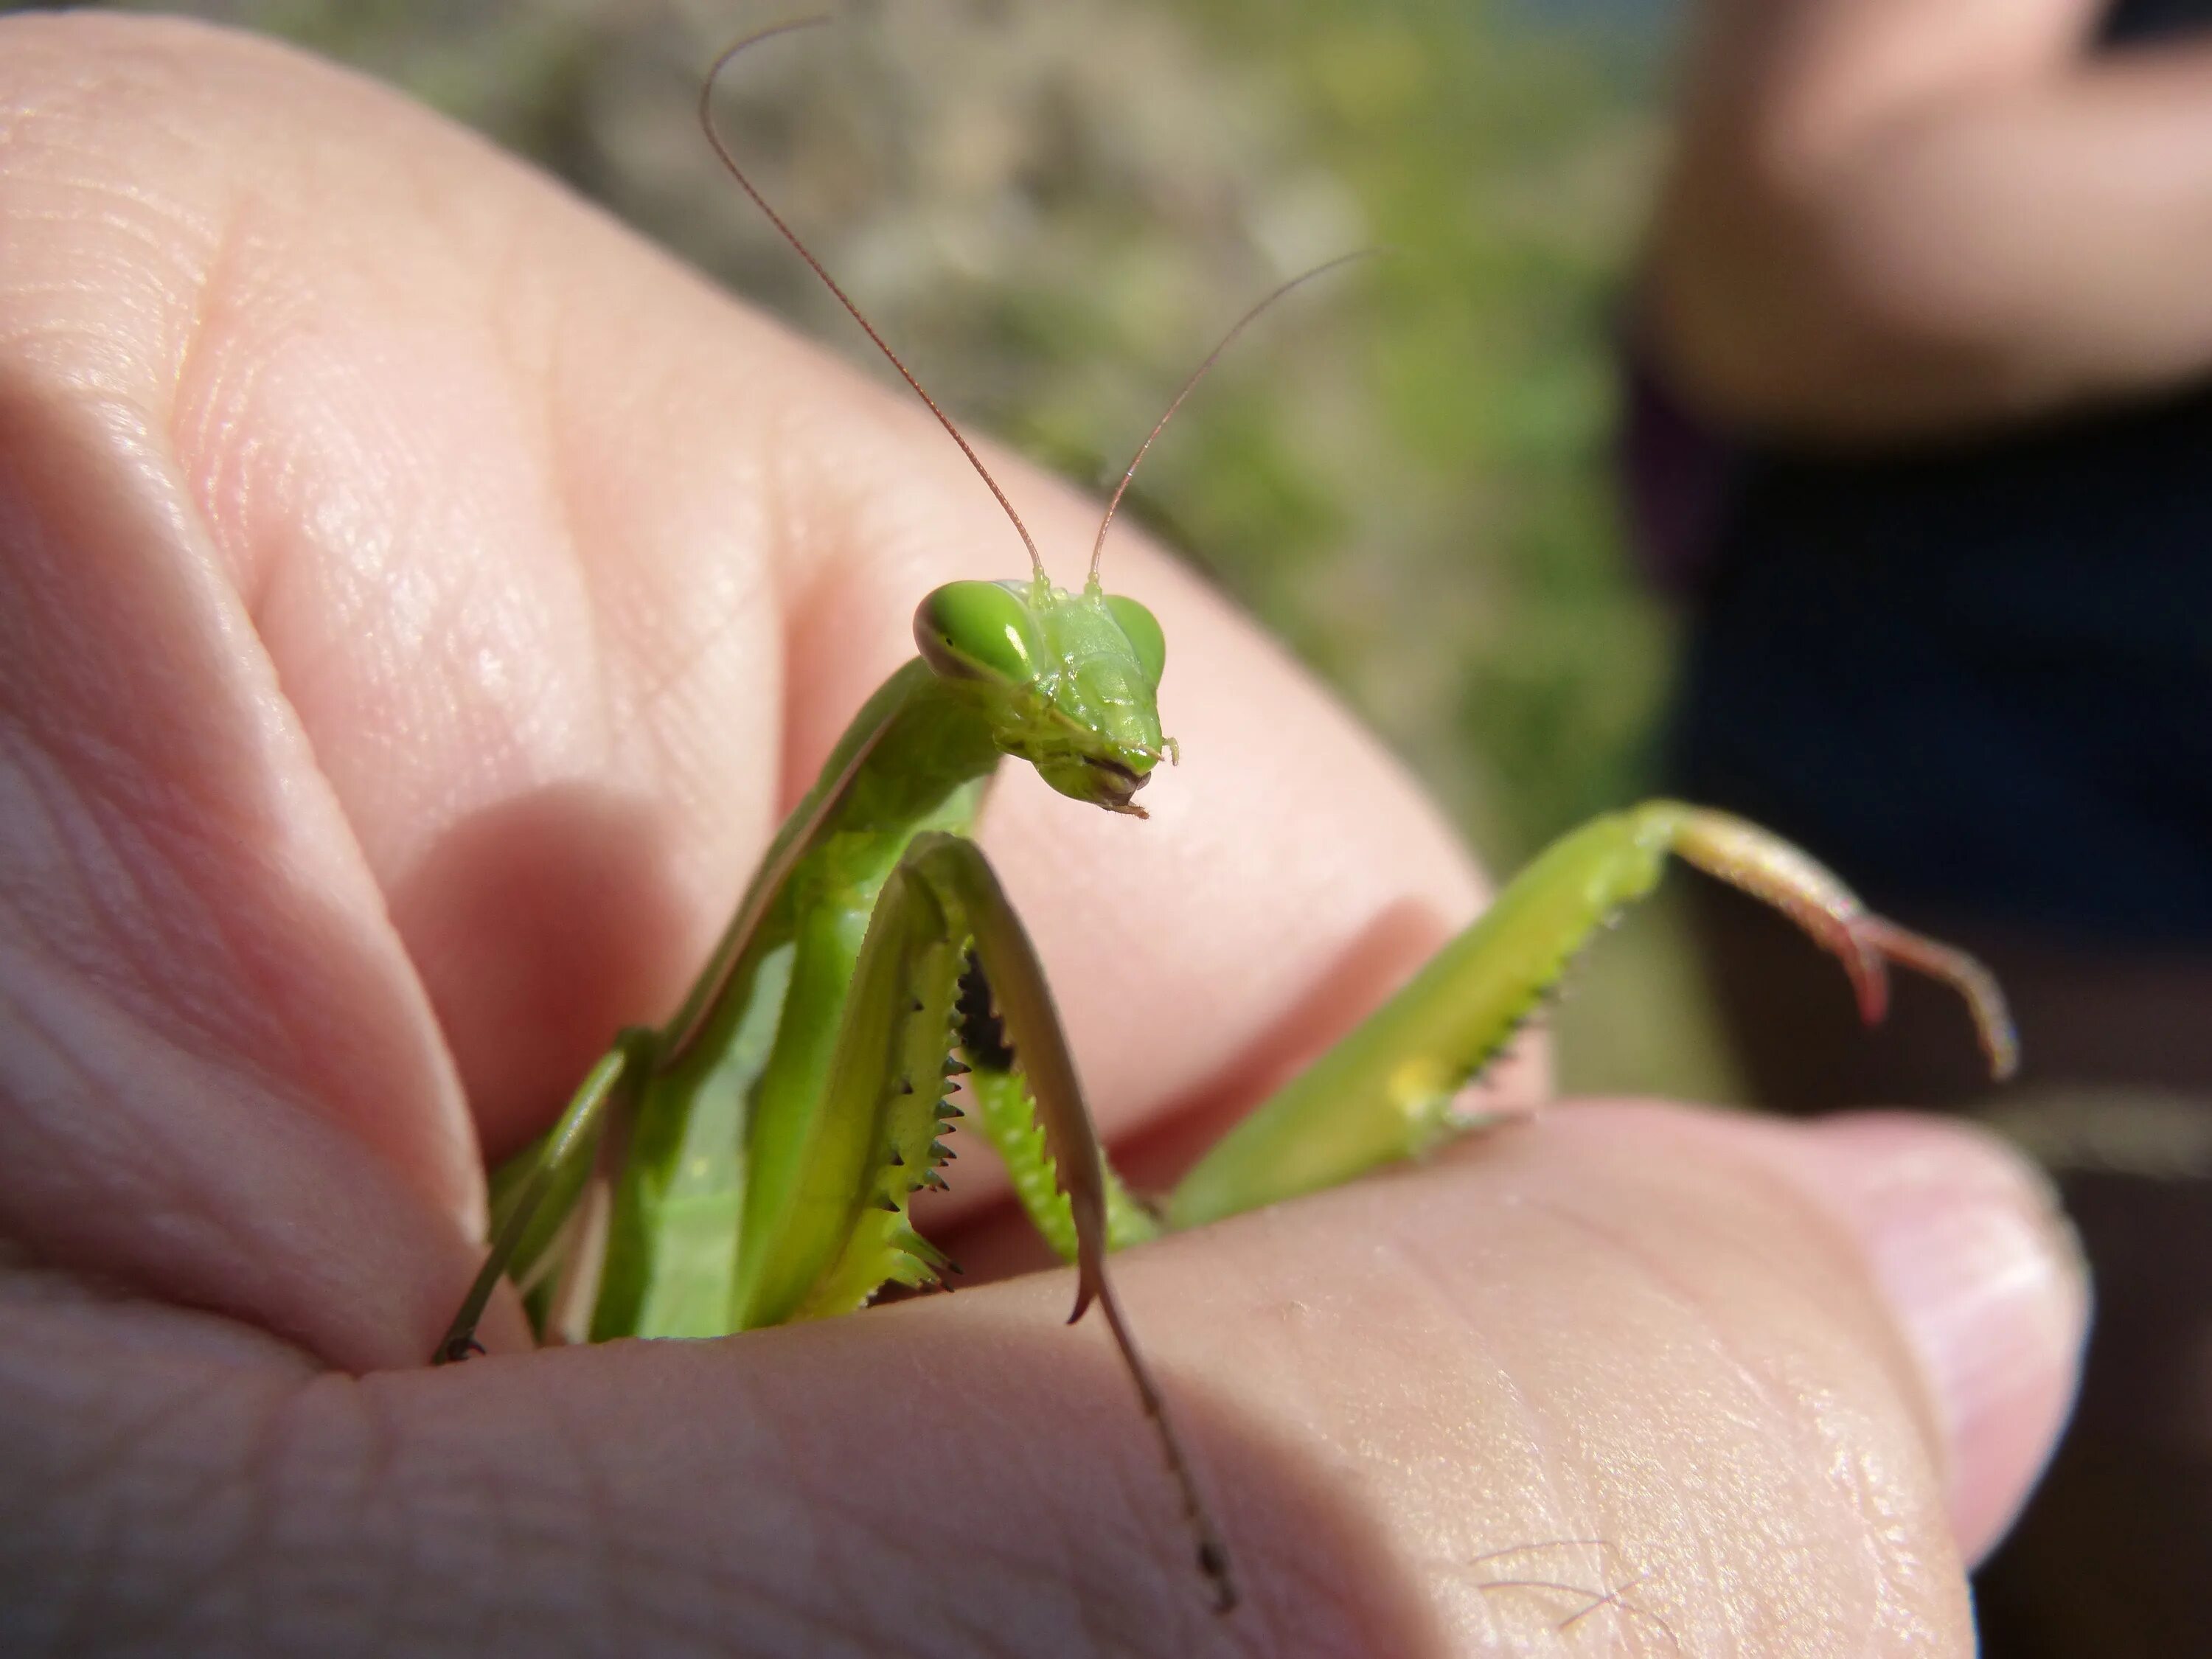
[528, 579]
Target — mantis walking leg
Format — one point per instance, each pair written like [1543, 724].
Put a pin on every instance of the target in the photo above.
[528, 1222]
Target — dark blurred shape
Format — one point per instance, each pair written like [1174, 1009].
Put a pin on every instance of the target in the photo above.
[1973, 673]
[1976, 678]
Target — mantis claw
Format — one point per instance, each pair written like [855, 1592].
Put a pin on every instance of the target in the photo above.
[1812, 895]
[1985, 1002]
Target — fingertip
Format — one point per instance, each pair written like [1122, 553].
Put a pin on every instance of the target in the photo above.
[1987, 1281]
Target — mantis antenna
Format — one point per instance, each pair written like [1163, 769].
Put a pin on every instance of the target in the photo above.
[1197, 374]
[730, 161]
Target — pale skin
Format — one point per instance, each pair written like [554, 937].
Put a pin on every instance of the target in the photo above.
[450, 551]
[1919, 216]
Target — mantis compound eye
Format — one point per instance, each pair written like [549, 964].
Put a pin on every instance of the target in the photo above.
[1142, 629]
[977, 630]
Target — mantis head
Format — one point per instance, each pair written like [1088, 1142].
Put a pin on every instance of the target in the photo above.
[1070, 681]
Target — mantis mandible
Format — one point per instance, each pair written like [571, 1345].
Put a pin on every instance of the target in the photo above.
[751, 1162]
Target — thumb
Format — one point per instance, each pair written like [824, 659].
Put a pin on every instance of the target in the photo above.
[1987, 1283]
[1719, 1385]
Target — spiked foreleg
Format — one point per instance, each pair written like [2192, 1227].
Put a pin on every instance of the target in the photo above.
[1385, 1092]
[842, 1231]
[1007, 1118]
[957, 871]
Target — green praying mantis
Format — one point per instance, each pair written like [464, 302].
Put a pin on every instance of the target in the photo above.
[752, 1161]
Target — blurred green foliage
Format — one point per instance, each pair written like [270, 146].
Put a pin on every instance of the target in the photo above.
[1055, 207]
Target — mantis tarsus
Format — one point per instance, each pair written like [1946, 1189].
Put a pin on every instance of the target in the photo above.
[751, 1162]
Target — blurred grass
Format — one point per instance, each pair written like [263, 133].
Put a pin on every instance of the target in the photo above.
[1055, 207]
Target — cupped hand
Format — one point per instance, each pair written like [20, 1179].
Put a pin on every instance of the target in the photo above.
[418, 600]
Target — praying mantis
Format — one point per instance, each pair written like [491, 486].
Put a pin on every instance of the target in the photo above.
[752, 1161]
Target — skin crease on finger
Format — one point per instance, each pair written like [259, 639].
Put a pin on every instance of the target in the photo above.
[469, 588]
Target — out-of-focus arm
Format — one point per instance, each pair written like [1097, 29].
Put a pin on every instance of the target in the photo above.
[1897, 216]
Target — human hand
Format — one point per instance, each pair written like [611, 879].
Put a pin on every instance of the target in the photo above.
[419, 602]
[1893, 223]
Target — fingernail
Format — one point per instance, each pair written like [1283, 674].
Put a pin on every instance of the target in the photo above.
[1968, 1242]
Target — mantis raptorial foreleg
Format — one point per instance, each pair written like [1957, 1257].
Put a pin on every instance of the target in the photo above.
[944, 892]
[840, 1229]
[1002, 1115]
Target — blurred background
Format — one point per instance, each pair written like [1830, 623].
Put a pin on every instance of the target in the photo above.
[1053, 208]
